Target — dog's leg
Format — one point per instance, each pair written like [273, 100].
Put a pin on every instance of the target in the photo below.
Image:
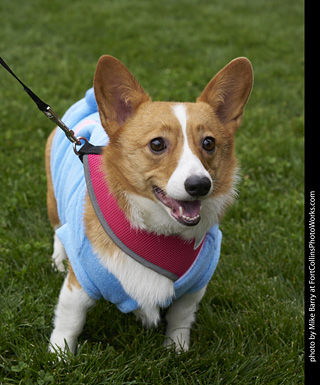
[70, 314]
[180, 318]
[149, 316]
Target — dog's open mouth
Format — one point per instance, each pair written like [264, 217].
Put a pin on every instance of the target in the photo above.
[185, 212]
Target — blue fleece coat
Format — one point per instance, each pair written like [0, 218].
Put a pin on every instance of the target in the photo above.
[70, 189]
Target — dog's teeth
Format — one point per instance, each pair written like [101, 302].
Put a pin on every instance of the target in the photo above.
[190, 219]
[181, 211]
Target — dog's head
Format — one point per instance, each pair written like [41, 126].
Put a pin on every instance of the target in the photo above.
[173, 162]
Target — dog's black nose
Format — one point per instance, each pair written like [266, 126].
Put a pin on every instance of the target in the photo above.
[197, 186]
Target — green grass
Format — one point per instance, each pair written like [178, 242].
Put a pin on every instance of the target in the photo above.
[250, 324]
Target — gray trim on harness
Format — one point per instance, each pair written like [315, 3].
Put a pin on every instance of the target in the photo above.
[112, 235]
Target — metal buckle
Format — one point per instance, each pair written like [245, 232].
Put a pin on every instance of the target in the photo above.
[75, 144]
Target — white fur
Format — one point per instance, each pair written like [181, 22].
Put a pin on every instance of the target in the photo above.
[59, 255]
[144, 211]
[180, 318]
[70, 316]
[189, 164]
[147, 287]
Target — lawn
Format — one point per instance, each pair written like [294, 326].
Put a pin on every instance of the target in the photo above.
[250, 324]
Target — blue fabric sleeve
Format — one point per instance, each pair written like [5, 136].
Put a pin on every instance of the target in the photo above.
[203, 268]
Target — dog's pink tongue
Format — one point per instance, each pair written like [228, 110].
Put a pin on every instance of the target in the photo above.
[186, 212]
[190, 209]
[185, 209]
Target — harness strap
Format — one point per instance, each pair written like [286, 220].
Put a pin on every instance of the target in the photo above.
[89, 149]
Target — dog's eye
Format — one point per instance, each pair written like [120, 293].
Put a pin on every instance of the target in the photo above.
[209, 144]
[157, 145]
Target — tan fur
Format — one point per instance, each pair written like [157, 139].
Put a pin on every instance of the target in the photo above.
[228, 92]
[51, 200]
[118, 89]
[133, 154]
[72, 279]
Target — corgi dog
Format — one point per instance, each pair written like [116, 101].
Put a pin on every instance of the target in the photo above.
[138, 220]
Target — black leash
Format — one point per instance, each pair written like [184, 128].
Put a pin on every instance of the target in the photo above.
[46, 109]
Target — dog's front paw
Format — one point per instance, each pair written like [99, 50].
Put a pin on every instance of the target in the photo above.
[179, 339]
[59, 344]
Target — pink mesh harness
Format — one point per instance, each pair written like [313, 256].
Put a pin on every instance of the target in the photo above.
[171, 256]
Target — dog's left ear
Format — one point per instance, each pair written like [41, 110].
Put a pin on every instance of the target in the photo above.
[117, 92]
[228, 92]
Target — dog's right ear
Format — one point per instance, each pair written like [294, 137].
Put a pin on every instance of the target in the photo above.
[117, 92]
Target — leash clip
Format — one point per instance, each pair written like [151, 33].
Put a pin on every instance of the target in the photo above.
[78, 143]
[55, 118]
